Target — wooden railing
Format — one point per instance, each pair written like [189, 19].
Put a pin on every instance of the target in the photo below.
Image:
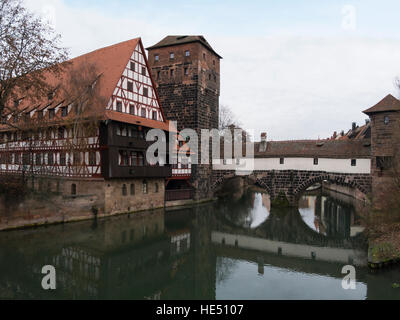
[178, 194]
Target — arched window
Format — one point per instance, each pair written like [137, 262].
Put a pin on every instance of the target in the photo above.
[124, 190]
[132, 189]
[73, 189]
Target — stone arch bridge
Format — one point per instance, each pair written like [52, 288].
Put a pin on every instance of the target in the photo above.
[290, 167]
[292, 183]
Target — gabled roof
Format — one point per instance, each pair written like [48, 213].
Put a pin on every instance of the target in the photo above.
[178, 40]
[109, 63]
[389, 103]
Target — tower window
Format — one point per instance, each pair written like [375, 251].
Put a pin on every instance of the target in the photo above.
[187, 53]
[386, 120]
[171, 55]
[157, 57]
[130, 86]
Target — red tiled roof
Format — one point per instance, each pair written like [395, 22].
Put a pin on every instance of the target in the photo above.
[315, 148]
[389, 103]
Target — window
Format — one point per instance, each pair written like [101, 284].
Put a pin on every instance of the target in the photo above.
[77, 158]
[353, 162]
[123, 158]
[384, 162]
[315, 161]
[132, 66]
[156, 188]
[213, 62]
[171, 55]
[119, 106]
[130, 86]
[132, 109]
[143, 113]
[16, 158]
[63, 158]
[171, 72]
[186, 71]
[50, 96]
[92, 158]
[143, 71]
[204, 56]
[146, 92]
[209, 77]
[386, 120]
[144, 187]
[51, 113]
[124, 190]
[154, 115]
[50, 159]
[158, 75]
[132, 189]
[60, 133]
[40, 114]
[73, 189]
[282, 160]
[187, 53]
[156, 57]
[38, 159]
[64, 111]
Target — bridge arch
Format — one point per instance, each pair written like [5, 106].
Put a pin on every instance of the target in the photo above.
[342, 180]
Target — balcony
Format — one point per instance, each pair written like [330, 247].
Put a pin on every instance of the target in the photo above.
[142, 172]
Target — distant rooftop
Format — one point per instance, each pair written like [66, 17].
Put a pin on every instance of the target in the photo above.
[177, 40]
[389, 103]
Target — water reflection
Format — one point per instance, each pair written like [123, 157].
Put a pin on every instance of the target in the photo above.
[233, 249]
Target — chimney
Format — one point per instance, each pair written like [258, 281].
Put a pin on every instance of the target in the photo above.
[353, 126]
[263, 136]
[263, 143]
[335, 135]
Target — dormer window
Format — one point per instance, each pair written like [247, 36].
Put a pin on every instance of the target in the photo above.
[40, 114]
[64, 111]
[51, 113]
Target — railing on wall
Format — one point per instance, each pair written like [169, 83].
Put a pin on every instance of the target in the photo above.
[178, 194]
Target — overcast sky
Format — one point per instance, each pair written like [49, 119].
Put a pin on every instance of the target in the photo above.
[294, 69]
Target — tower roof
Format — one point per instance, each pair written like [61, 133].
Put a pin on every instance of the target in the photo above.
[389, 103]
[169, 41]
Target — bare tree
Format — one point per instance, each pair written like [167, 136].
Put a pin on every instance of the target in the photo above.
[27, 46]
[227, 118]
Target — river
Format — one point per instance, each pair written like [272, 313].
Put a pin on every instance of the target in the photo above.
[237, 248]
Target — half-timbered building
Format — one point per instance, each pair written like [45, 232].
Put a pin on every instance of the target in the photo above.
[85, 140]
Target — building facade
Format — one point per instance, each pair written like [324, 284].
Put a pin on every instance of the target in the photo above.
[186, 70]
[89, 152]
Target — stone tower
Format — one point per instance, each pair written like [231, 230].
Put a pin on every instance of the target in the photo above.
[385, 142]
[186, 70]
